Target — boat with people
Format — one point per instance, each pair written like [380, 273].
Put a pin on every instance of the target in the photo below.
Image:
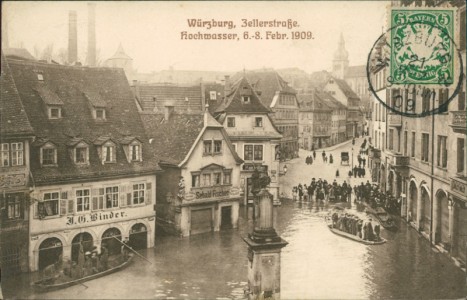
[382, 216]
[60, 281]
[331, 226]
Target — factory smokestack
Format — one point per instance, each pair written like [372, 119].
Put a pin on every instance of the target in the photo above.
[72, 37]
[91, 57]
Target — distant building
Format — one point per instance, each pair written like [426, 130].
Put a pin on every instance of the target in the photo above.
[93, 174]
[199, 190]
[277, 95]
[338, 118]
[340, 61]
[18, 53]
[121, 60]
[340, 90]
[254, 136]
[16, 136]
[314, 122]
[154, 97]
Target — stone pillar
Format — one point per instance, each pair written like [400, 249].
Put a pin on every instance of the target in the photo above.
[408, 196]
[264, 248]
[436, 226]
[419, 209]
[452, 206]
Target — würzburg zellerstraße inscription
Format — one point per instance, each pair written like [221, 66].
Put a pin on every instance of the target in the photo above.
[247, 29]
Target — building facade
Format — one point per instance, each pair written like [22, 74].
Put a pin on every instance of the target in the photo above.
[253, 135]
[423, 159]
[199, 190]
[16, 135]
[278, 96]
[315, 119]
[93, 175]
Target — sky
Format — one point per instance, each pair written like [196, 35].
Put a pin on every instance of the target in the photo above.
[150, 32]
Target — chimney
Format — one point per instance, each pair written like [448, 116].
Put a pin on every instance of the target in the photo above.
[72, 37]
[227, 85]
[91, 57]
[205, 115]
[203, 94]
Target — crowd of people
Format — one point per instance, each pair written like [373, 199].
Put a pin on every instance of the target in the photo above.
[326, 159]
[372, 194]
[320, 190]
[354, 225]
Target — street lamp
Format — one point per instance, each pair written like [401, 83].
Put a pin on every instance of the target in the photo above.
[284, 171]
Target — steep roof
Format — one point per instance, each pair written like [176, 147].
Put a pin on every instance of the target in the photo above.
[233, 102]
[312, 102]
[268, 82]
[332, 102]
[18, 53]
[151, 96]
[346, 89]
[71, 85]
[355, 71]
[120, 54]
[13, 118]
[173, 138]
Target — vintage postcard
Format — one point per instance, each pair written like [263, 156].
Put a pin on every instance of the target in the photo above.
[233, 150]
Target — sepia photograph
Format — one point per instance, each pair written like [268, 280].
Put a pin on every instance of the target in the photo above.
[233, 150]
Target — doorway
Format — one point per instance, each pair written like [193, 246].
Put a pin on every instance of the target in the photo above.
[226, 217]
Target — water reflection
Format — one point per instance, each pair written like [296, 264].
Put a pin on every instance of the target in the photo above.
[315, 264]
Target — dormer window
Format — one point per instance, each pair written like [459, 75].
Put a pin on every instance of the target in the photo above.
[132, 148]
[212, 95]
[258, 122]
[108, 153]
[99, 113]
[40, 77]
[55, 112]
[48, 154]
[246, 99]
[81, 155]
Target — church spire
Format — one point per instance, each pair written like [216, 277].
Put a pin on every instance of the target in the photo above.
[341, 59]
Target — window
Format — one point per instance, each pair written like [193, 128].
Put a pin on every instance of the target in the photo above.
[99, 114]
[258, 122]
[83, 200]
[391, 139]
[405, 142]
[230, 122]
[442, 158]
[228, 177]
[135, 152]
[49, 207]
[108, 153]
[111, 197]
[427, 94]
[425, 147]
[217, 178]
[253, 152]
[14, 206]
[443, 98]
[195, 180]
[207, 147]
[412, 154]
[246, 99]
[40, 77]
[212, 95]
[81, 155]
[48, 156]
[138, 193]
[217, 146]
[206, 180]
[54, 113]
[17, 154]
[5, 155]
[460, 155]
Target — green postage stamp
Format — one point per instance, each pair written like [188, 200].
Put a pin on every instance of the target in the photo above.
[422, 46]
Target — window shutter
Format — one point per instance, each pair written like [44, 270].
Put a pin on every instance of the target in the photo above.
[128, 199]
[95, 203]
[122, 196]
[64, 195]
[71, 206]
[131, 153]
[63, 204]
[104, 154]
[36, 211]
[148, 198]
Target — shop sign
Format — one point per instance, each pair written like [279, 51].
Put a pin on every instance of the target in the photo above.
[96, 217]
[12, 180]
[212, 194]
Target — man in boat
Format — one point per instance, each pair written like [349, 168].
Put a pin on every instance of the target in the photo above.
[377, 231]
[371, 235]
[52, 271]
[335, 217]
[104, 258]
[125, 250]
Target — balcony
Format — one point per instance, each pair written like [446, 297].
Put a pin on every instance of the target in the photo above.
[395, 120]
[398, 161]
[458, 121]
[459, 187]
[374, 153]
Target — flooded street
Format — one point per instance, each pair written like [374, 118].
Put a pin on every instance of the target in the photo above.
[315, 264]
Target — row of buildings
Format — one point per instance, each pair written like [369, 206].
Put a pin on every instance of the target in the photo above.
[421, 161]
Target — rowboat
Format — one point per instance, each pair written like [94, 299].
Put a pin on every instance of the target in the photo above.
[351, 236]
[382, 216]
[46, 285]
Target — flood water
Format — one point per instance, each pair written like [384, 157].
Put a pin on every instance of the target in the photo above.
[315, 264]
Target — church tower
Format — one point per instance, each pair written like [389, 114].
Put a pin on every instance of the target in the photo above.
[340, 61]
